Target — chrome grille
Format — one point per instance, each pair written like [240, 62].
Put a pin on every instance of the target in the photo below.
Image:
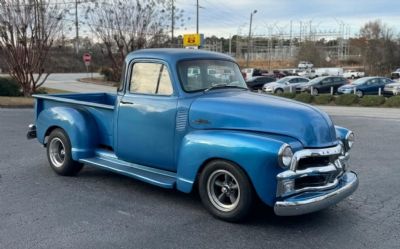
[312, 170]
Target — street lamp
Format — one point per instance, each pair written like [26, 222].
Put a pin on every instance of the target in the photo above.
[249, 39]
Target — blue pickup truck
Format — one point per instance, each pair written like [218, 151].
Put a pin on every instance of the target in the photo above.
[185, 120]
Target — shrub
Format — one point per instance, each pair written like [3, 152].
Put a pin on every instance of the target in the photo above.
[323, 99]
[287, 95]
[393, 101]
[304, 97]
[108, 73]
[347, 99]
[9, 87]
[372, 100]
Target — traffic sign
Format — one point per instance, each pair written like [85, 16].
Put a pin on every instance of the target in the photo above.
[192, 40]
[87, 58]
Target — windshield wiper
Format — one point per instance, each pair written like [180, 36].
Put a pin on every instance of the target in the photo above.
[223, 85]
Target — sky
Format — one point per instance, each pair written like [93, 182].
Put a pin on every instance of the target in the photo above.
[224, 18]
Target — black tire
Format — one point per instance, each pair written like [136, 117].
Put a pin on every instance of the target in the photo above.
[61, 160]
[359, 93]
[315, 91]
[278, 91]
[239, 185]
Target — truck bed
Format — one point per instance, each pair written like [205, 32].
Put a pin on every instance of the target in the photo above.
[101, 100]
[99, 105]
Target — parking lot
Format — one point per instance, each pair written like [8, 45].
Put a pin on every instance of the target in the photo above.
[99, 209]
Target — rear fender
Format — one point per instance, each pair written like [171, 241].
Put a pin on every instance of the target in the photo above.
[79, 125]
[256, 154]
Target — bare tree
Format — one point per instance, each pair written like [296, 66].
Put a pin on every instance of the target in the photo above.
[27, 31]
[127, 25]
[310, 51]
[379, 49]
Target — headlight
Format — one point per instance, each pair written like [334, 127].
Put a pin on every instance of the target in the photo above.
[285, 156]
[349, 140]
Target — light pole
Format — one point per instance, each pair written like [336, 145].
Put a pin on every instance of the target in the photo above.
[249, 39]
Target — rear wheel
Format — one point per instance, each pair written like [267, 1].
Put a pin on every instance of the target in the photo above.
[59, 154]
[225, 190]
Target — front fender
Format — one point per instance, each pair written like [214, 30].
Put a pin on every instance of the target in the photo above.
[341, 132]
[79, 125]
[256, 154]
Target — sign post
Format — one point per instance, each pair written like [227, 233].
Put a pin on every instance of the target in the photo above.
[87, 59]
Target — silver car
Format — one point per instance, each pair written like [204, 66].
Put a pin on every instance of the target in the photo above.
[285, 84]
[392, 89]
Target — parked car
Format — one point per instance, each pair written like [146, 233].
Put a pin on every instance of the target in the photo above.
[257, 82]
[176, 129]
[305, 64]
[353, 74]
[392, 89]
[323, 85]
[252, 72]
[395, 75]
[285, 84]
[366, 85]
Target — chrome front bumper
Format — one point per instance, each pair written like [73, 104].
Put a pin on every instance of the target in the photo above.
[31, 134]
[308, 202]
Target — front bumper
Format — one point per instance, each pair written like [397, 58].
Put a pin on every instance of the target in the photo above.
[31, 134]
[391, 92]
[308, 202]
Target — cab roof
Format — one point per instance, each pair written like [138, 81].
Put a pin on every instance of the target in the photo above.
[173, 55]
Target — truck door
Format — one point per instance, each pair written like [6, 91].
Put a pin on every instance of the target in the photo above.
[146, 117]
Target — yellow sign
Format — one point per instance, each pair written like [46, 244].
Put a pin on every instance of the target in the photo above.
[192, 40]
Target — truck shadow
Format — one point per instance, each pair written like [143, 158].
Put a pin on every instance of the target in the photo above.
[261, 215]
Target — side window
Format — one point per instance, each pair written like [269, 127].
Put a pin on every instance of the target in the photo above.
[293, 80]
[373, 82]
[326, 81]
[150, 78]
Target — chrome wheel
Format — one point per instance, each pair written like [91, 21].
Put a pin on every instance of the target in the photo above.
[57, 152]
[223, 190]
[359, 93]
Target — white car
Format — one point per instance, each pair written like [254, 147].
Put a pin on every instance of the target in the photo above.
[352, 74]
[305, 64]
[286, 84]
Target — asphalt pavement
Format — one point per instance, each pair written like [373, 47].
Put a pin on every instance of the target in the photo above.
[99, 209]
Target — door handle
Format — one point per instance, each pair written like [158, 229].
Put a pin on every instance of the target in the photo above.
[126, 102]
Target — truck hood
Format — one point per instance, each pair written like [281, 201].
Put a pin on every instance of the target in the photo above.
[244, 110]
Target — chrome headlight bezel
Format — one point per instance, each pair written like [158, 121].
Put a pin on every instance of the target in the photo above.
[285, 156]
[349, 140]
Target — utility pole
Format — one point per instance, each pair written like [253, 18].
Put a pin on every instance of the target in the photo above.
[172, 23]
[197, 16]
[230, 44]
[249, 38]
[77, 28]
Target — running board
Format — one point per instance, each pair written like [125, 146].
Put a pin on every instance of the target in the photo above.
[161, 178]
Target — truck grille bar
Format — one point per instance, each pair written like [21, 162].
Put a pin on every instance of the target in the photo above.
[312, 170]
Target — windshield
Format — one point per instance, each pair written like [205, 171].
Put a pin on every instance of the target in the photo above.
[283, 80]
[314, 81]
[198, 75]
[359, 81]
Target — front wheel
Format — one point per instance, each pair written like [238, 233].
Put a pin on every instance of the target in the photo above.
[59, 154]
[315, 91]
[359, 93]
[278, 91]
[226, 191]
